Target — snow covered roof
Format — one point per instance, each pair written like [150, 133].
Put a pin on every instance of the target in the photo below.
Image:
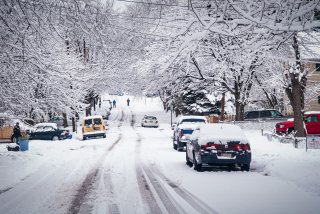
[220, 133]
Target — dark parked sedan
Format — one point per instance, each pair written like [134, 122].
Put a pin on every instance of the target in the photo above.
[48, 131]
[218, 144]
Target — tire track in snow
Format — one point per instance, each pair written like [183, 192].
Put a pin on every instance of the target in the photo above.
[78, 204]
[191, 199]
[144, 187]
[147, 182]
[154, 176]
[5, 190]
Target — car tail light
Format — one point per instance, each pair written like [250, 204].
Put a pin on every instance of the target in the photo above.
[209, 146]
[246, 147]
[238, 147]
[242, 147]
[181, 133]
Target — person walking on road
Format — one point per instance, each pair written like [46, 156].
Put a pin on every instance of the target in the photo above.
[114, 104]
[16, 133]
[128, 101]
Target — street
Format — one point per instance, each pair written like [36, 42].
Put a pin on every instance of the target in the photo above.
[136, 170]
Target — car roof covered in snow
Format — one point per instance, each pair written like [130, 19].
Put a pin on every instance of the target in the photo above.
[192, 117]
[312, 112]
[220, 133]
[192, 126]
[92, 117]
[54, 125]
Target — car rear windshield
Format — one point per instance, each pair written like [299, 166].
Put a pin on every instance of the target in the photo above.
[187, 131]
[150, 118]
[88, 122]
[193, 121]
[97, 121]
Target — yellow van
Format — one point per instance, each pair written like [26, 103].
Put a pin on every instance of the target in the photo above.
[93, 126]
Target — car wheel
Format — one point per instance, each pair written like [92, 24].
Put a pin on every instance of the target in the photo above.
[174, 146]
[84, 138]
[245, 167]
[188, 162]
[54, 138]
[104, 136]
[196, 165]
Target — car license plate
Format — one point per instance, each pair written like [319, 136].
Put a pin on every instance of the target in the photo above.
[96, 128]
[226, 155]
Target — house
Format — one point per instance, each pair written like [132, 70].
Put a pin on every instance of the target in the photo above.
[309, 45]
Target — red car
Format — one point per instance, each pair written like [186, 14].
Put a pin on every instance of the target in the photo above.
[312, 121]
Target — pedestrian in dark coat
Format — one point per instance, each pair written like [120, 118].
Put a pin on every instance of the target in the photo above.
[16, 132]
[114, 104]
[128, 101]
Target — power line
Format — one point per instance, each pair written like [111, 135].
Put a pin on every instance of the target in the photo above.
[159, 4]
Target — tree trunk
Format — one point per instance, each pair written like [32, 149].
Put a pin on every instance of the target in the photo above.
[296, 94]
[88, 111]
[65, 121]
[73, 124]
[222, 106]
[239, 105]
[94, 104]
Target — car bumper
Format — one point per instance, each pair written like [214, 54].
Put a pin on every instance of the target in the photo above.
[281, 130]
[150, 124]
[94, 134]
[181, 144]
[216, 158]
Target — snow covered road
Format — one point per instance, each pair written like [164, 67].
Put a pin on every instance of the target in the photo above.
[136, 170]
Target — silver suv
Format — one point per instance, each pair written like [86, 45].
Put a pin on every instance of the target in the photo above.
[185, 125]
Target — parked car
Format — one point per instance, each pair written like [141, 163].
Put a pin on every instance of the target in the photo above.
[218, 144]
[262, 114]
[48, 131]
[93, 126]
[149, 121]
[190, 119]
[184, 130]
[312, 122]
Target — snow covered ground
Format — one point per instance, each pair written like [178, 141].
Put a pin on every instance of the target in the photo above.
[136, 170]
